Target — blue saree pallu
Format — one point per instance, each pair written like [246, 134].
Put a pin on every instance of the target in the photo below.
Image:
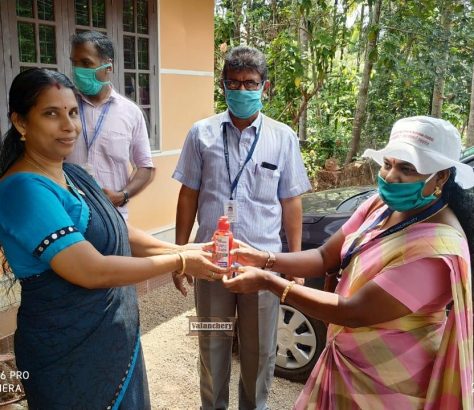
[82, 347]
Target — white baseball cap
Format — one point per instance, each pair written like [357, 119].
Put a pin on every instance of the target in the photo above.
[429, 144]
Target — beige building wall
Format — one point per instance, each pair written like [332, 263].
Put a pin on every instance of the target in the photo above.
[186, 50]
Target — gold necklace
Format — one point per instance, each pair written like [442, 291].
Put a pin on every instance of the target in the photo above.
[46, 172]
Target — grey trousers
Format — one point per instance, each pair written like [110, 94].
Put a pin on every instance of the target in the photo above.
[257, 321]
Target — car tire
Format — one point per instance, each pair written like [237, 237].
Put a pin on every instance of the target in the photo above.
[300, 341]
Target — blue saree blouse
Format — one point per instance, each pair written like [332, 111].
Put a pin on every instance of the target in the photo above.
[81, 347]
[38, 221]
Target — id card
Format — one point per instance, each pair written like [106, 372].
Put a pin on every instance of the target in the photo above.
[230, 210]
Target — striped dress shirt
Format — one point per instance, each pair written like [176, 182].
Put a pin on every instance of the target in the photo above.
[202, 167]
[122, 141]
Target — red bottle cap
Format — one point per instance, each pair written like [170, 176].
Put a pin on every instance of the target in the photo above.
[223, 224]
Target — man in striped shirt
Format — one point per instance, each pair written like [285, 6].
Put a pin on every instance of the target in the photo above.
[114, 132]
[248, 166]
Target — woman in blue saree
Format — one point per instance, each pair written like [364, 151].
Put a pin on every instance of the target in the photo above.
[78, 331]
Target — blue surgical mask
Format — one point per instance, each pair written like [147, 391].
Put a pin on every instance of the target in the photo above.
[243, 103]
[86, 80]
[404, 196]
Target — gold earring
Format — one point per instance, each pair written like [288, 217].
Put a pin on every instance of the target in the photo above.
[22, 138]
[437, 191]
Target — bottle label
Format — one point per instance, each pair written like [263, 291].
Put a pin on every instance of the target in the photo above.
[222, 244]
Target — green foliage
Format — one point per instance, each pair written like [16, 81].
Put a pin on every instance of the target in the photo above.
[324, 141]
[404, 75]
[326, 69]
[286, 74]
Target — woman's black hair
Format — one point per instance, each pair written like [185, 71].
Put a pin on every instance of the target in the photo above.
[24, 92]
[461, 201]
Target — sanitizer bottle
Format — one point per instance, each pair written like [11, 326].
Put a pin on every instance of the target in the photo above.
[223, 240]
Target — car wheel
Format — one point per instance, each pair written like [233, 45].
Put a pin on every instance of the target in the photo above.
[300, 341]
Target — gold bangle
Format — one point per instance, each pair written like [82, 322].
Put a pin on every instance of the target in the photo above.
[183, 263]
[285, 292]
[270, 261]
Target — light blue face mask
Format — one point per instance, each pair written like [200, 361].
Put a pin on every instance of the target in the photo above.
[404, 196]
[86, 80]
[243, 103]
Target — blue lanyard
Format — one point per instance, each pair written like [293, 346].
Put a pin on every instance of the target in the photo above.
[437, 206]
[233, 185]
[98, 126]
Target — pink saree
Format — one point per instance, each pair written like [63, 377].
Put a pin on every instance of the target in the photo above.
[420, 361]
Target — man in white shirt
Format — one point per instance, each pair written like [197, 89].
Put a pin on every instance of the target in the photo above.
[248, 166]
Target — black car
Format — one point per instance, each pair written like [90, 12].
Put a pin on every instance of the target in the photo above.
[301, 339]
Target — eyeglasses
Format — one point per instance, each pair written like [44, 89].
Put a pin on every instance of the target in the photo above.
[249, 85]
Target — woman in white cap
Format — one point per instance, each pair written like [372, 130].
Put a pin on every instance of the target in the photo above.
[402, 258]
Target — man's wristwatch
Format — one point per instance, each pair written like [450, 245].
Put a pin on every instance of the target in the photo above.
[126, 197]
[270, 261]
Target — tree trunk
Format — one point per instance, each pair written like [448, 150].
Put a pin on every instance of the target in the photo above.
[303, 44]
[470, 124]
[303, 124]
[237, 10]
[341, 59]
[359, 117]
[274, 11]
[334, 28]
[361, 36]
[344, 30]
[248, 24]
[304, 104]
[440, 70]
